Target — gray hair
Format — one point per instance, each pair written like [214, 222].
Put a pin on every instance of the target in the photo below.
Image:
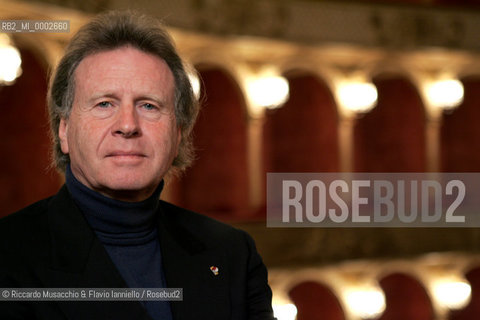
[110, 31]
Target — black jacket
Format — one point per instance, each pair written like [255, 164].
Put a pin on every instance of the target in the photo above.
[50, 245]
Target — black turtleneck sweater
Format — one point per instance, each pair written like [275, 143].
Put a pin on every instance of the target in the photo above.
[128, 231]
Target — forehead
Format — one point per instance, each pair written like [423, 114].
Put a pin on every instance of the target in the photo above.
[124, 68]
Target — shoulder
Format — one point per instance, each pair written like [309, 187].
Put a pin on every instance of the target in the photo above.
[38, 211]
[212, 232]
[26, 231]
[23, 220]
[24, 238]
[186, 217]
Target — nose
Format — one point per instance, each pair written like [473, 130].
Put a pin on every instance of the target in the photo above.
[126, 122]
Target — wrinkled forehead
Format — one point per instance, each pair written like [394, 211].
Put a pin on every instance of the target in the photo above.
[126, 69]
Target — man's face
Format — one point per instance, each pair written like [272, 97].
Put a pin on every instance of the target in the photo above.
[121, 135]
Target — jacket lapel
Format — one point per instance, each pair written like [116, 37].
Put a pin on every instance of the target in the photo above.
[187, 262]
[78, 260]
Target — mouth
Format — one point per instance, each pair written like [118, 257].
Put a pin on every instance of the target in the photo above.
[125, 155]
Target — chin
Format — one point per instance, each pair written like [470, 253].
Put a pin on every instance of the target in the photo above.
[130, 183]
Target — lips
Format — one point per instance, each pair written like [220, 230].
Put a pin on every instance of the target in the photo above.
[126, 158]
[126, 154]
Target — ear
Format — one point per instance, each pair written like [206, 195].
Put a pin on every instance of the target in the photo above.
[62, 134]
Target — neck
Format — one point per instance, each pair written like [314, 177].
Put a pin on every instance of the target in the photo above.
[111, 215]
[124, 195]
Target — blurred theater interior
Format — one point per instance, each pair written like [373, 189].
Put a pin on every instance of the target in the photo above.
[295, 86]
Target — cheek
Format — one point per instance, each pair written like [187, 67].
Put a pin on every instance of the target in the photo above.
[73, 143]
[81, 140]
[166, 145]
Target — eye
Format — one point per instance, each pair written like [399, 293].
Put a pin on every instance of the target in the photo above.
[149, 106]
[104, 104]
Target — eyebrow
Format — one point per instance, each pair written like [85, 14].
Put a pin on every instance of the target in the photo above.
[159, 101]
[101, 95]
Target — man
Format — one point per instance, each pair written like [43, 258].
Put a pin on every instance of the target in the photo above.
[121, 111]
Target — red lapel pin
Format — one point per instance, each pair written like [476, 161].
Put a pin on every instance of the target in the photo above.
[214, 270]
